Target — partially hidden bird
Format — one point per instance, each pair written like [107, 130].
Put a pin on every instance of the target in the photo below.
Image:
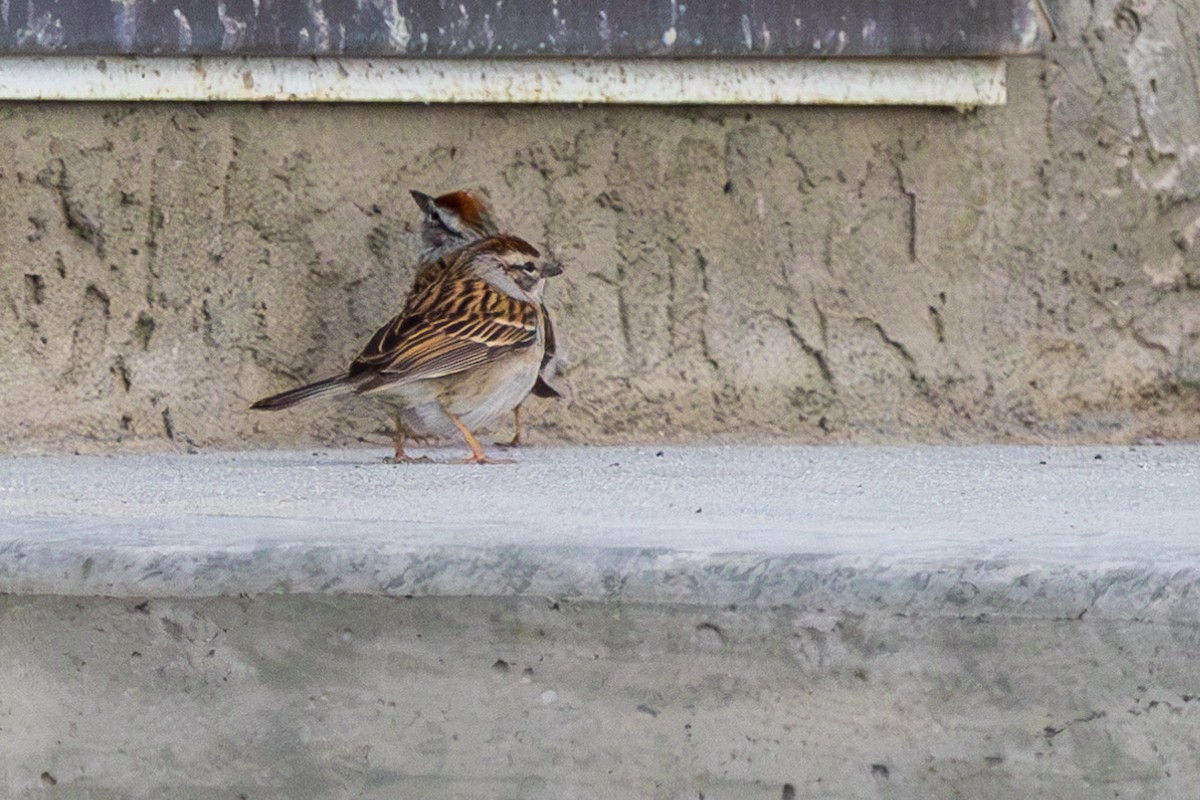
[454, 220]
[465, 350]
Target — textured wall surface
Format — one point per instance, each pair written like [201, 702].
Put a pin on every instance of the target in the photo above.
[819, 274]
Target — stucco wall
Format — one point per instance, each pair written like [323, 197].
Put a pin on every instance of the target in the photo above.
[819, 274]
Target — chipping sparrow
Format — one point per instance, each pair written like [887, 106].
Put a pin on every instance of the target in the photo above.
[464, 352]
[454, 220]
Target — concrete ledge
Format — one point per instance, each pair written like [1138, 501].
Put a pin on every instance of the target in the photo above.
[708, 622]
[957, 82]
[1019, 529]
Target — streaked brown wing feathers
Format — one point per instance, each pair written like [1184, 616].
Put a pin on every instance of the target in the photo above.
[450, 327]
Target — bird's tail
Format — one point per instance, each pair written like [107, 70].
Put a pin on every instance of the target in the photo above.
[339, 384]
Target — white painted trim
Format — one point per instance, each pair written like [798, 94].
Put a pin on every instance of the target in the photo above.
[941, 82]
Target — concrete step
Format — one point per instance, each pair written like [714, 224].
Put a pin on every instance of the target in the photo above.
[603, 622]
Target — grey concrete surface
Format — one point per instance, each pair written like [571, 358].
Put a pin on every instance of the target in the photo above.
[717, 622]
[1102, 526]
[303, 697]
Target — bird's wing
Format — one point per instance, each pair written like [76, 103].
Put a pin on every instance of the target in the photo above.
[453, 325]
[428, 274]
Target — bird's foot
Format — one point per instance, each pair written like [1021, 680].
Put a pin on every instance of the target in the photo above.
[482, 459]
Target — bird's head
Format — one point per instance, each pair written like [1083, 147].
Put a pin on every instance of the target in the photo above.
[453, 220]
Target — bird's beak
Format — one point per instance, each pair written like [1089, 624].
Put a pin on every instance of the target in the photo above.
[551, 268]
[423, 200]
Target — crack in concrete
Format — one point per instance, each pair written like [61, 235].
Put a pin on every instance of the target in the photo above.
[911, 197]
[702, 265]
[939, 327]
[919, 382]
[889, 341]
[812, 352]
[1050, 731]
[78, 221]
[822, 321]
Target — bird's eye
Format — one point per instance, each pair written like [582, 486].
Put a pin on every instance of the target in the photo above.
[529, 267]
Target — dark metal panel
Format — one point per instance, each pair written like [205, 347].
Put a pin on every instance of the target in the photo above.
[483, 28]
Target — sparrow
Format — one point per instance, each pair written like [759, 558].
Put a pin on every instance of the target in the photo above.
[452, 221]
[465, 350]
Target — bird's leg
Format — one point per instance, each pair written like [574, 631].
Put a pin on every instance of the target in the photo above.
[477, 455]
[515, 441]
[400, 456]
[398, 441]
